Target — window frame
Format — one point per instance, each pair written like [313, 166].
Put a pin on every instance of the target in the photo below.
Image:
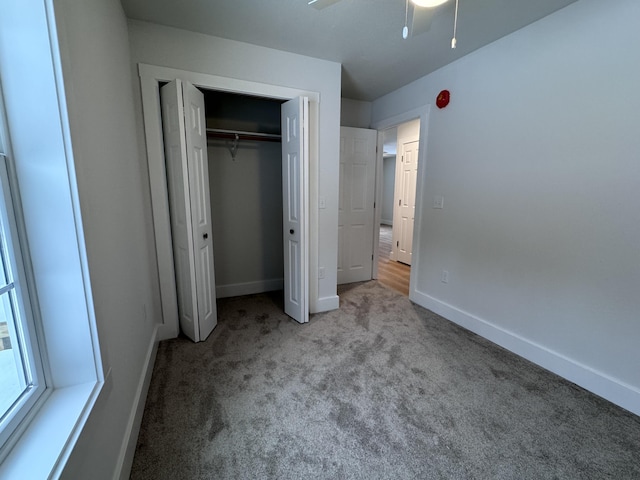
[11, 242]
[44, 169]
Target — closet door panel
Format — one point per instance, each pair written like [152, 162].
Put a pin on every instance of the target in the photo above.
[196, 139]
[295, 164]
[180, 207]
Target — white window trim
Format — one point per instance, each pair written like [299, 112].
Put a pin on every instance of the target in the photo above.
[23, 302]
[35, 105]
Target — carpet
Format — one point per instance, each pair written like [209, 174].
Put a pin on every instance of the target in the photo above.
[380, 388]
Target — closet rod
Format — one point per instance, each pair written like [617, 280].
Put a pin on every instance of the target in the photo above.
[243, 135]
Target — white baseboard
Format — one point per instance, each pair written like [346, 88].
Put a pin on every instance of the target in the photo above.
[623, 395]
[128, 448]
[249, 288]
[386, 222]
[326, 304]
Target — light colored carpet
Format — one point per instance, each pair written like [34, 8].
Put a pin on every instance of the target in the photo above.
[379, 389]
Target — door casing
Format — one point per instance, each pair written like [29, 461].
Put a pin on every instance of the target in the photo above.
[151, 77]
[423, 114]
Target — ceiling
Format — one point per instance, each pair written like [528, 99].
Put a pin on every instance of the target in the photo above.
[365, 36]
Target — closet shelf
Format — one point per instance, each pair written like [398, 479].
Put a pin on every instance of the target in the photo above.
[243, 135]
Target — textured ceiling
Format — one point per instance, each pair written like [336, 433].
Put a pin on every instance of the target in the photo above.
[365, 36]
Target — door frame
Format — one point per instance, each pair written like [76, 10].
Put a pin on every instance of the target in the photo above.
[421, 113]
[151, 76]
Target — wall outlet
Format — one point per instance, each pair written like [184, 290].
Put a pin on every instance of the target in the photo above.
[445, 276]
[438, 201]
[321, 272]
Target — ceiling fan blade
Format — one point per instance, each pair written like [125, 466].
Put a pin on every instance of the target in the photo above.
[320, 4]
[421, 19]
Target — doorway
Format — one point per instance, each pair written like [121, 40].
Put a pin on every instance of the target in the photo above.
[245, 180]
[151, 77]
[397, 195]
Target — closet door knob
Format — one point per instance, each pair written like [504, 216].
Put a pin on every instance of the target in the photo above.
[205, 236]
[292, 231]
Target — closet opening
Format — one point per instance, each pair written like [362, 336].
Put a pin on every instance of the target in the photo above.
[238, 201]
[244, 151]
[299, 113]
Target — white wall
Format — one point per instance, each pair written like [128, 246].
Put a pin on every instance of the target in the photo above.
[114, 201]
[537, 159]
[355, 113]
[158, 45]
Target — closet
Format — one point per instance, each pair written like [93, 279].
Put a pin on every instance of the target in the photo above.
[238, 195]
[245, 182]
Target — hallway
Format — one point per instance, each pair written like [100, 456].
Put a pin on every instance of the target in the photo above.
[391, 273]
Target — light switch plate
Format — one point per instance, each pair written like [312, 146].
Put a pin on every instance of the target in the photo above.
[438, 201]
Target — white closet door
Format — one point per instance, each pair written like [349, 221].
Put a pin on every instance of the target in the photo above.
[187, 178]
[295, 201]
[198, 165]
[356, 212]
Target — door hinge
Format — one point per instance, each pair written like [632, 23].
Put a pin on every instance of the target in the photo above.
[398, 243]
[374, 204]
[399, 202]
[372, 256]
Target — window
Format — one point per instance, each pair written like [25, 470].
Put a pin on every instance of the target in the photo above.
[21, 372]
[41, 168]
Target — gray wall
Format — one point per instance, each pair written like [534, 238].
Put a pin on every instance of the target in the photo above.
[246, 198]
[355, 113]
[537, 159]
[246, 195]
[388, 189]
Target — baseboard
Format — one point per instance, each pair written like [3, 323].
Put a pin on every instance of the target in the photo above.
[386, 222]
[249, 288]
[325, 304]
[128, 449]
[620, 393]
[165, 332]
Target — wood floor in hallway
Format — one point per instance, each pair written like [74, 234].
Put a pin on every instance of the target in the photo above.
[391, 273]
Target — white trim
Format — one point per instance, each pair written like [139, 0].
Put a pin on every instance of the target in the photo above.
[614, 390]
[326, 304]
[150, 75]
[33, 85]
[377, 199]
[52, 433]
[128, 448]
[249, 288]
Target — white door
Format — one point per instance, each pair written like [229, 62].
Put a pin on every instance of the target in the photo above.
[295, 201]
[190, 208]
[406, 203]
[356, 204]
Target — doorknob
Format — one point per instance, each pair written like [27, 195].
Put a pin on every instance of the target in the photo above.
[292, 231]
[205, 236]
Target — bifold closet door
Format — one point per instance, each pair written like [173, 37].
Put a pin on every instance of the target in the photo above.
[190, 207]
[295, 207]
